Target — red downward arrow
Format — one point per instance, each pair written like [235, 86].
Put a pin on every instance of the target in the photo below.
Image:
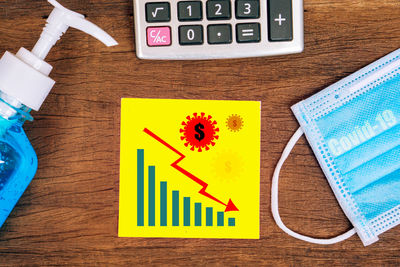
[229, 207]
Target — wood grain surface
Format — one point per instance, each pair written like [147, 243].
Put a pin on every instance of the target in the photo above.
[69, 213]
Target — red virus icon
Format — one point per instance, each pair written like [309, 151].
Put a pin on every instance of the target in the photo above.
[199, 132]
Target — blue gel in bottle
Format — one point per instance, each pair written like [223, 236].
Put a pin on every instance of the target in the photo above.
[18, 161]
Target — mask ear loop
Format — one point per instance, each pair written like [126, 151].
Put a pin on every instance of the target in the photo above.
[275, 203]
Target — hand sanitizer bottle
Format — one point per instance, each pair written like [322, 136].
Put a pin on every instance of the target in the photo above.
[24, 85]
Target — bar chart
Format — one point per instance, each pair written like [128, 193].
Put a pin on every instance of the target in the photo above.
[188, 169]
[193, 211]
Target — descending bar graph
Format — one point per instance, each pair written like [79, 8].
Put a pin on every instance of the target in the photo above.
[197, 214]
[152, 196]
[177, 202]
[209, 216]
[175, 208]
[163, 203]
[186, 211]
[220, 217]
[140, 187]
[189, 169]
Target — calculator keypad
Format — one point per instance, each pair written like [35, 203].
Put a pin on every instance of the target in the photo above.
[219, 34]
[191, 35]
[190, 11]
[202, 29]
[158, 12]
[280, 20]
[218, 9]
[247, 9]
[248, 33]
[158, 36]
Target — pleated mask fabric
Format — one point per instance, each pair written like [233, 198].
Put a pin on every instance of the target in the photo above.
[353, 128]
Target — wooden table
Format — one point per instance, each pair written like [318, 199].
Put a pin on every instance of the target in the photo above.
[69, 213]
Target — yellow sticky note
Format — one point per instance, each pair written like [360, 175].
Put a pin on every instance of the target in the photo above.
[190, 169]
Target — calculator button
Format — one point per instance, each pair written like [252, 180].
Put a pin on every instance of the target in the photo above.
[280, 20]
[158, 12]
[219, 34]
[248, 33]
[218, 9]
[247, 9]
[191, 35]
[158, 36]
[190, 10]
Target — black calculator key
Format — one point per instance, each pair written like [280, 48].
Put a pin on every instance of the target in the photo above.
[280, 20]
[191, 35]
[219, 34]
[158, 12]
[248, 33]
[190, 10]
[247, 9]
[218, 9]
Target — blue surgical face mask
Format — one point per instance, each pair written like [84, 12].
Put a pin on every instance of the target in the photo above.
[353, 128]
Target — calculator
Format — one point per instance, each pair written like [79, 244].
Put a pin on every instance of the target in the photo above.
[215, 29]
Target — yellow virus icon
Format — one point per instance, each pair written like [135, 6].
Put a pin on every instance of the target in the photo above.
[228, 165]
[234, 123]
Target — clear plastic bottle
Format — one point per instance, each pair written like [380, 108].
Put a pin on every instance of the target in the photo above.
[18, 161]
[24, 85]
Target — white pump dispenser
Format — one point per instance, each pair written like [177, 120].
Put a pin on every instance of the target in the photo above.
[24, 76]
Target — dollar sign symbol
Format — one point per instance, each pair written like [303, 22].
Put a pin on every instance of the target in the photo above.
[198, 128]
[228, 167]
[234, 123]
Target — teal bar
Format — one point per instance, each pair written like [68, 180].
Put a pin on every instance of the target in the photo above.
[175, 208]
[220, 217]
[231, 222]
[186, 211]
[197, 214]
[209, 216]
[163, 203]
[140, 187]
[152, 196]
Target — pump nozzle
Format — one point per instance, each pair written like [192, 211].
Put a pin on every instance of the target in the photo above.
[58, 23]
[24, 76]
